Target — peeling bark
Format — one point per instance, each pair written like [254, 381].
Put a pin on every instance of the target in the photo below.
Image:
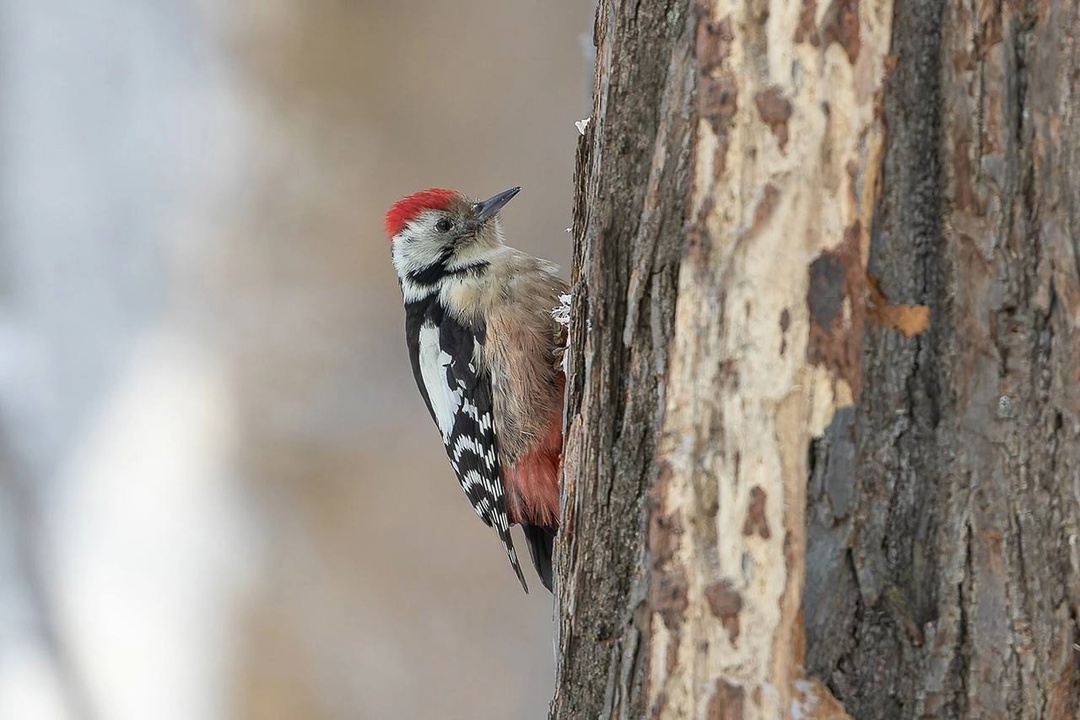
[838, 459]
[767, 341]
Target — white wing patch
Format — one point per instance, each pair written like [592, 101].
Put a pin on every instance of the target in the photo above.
[445, 401]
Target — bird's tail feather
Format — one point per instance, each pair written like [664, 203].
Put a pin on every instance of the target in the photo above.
[541, 542]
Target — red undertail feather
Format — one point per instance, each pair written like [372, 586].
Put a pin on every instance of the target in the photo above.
[409, 207]
[533, 481]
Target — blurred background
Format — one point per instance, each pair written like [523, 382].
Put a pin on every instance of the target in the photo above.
[220, 493]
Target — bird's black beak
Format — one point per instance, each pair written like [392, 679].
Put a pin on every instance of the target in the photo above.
[486, 209]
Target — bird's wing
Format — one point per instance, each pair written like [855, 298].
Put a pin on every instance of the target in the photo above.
[458, 395]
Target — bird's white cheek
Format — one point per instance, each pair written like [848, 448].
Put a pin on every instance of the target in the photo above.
[405, 257]
[415, 254]
[397, 256]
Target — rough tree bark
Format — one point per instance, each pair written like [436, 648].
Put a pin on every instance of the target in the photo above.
[824, 411]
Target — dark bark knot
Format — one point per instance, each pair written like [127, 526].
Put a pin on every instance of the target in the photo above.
[727, 703]
[835, 341]
[774, 110]
[826, 295]
[756, 523]
[717, 90]
[806, 31]
[785, 323]
[725, 603]
[841, 26]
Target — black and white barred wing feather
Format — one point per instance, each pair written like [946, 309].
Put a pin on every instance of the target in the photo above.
[459, 397]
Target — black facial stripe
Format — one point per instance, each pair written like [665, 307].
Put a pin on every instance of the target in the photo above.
[436, 271]
[429, 275]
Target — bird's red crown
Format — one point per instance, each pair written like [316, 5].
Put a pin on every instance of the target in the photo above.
[407, 208]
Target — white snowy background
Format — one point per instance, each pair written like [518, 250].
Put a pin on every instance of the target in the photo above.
[220, 496]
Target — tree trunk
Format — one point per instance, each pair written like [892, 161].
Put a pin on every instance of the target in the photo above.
[824, 408]
[632, 182]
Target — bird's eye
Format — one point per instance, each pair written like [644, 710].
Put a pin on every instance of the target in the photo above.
[443, 225]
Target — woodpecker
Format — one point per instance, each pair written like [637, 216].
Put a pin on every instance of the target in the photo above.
[486, 354]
